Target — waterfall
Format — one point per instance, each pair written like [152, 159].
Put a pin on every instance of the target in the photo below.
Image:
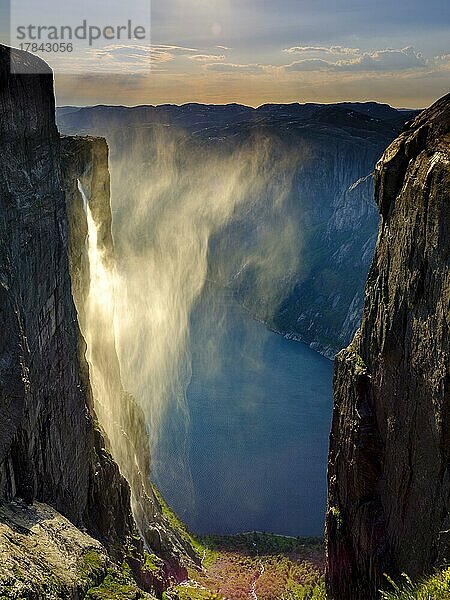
[169, 213]
[97, 324]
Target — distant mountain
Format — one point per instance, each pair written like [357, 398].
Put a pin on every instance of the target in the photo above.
[330, 201]
[74, 119]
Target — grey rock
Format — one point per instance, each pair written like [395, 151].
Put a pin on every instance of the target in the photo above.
[43, 554]
[52, 449]
[388, 472]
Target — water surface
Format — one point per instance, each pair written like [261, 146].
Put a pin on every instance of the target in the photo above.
[260, 410]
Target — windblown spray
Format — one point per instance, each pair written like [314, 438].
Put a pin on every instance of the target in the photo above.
[175, 207]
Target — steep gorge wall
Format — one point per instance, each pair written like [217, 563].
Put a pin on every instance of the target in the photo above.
[52, 449]
[389, 480]
[86, 162]
[338, 226]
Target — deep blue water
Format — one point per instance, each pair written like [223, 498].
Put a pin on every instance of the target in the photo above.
[260, 412]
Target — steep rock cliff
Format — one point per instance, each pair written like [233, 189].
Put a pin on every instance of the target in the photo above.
[389, 480]
[52, 449]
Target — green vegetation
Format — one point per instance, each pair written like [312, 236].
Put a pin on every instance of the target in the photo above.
[193, 593]
[117, 582]
[92, 565]
[152, 563]
[285, 577]
[360, 363]
[337, 516]
[116, 586]
[436, 587]
[274, 567]
[178, 525]
[261, 543]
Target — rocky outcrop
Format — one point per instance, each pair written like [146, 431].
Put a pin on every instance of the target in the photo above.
[389, 480]
[52, 448]
[44, 555]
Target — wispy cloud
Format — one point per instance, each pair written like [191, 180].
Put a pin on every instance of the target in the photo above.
[234, 68]
[336, 50]
[207, 58]
[356, 61]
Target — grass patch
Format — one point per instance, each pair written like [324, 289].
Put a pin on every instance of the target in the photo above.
[436, 587]
[274, 567]
[152, 563]
[116, 586]
[177, 524]
[92, 565]
[193, 593]
[260, 543]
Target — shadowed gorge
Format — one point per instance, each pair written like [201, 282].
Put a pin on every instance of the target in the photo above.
[327, 216]
[261, 204]
[143, 304]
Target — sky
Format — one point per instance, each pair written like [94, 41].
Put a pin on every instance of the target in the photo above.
[256, 51]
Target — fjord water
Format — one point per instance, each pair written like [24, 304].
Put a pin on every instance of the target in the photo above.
[260, 409]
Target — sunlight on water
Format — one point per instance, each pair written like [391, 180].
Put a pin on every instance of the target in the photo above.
[99, 335]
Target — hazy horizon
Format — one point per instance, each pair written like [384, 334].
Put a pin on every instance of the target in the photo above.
[150, 105]
[255, 52]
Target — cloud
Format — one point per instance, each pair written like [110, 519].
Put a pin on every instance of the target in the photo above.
[157, 53]
[234, 68]
[377, 60]
[310, 64]
[176, 49]
[322, 49]
[206, 58]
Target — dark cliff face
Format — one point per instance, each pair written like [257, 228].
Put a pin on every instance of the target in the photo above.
[52, 449]
[389, 481]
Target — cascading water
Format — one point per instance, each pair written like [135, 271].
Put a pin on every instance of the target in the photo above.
[117, 413]
[167, 218]
[98, 332]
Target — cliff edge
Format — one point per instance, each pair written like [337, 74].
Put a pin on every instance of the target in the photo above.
[65, 506]
[388, 473]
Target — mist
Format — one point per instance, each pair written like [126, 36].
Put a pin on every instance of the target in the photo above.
[187, 213]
